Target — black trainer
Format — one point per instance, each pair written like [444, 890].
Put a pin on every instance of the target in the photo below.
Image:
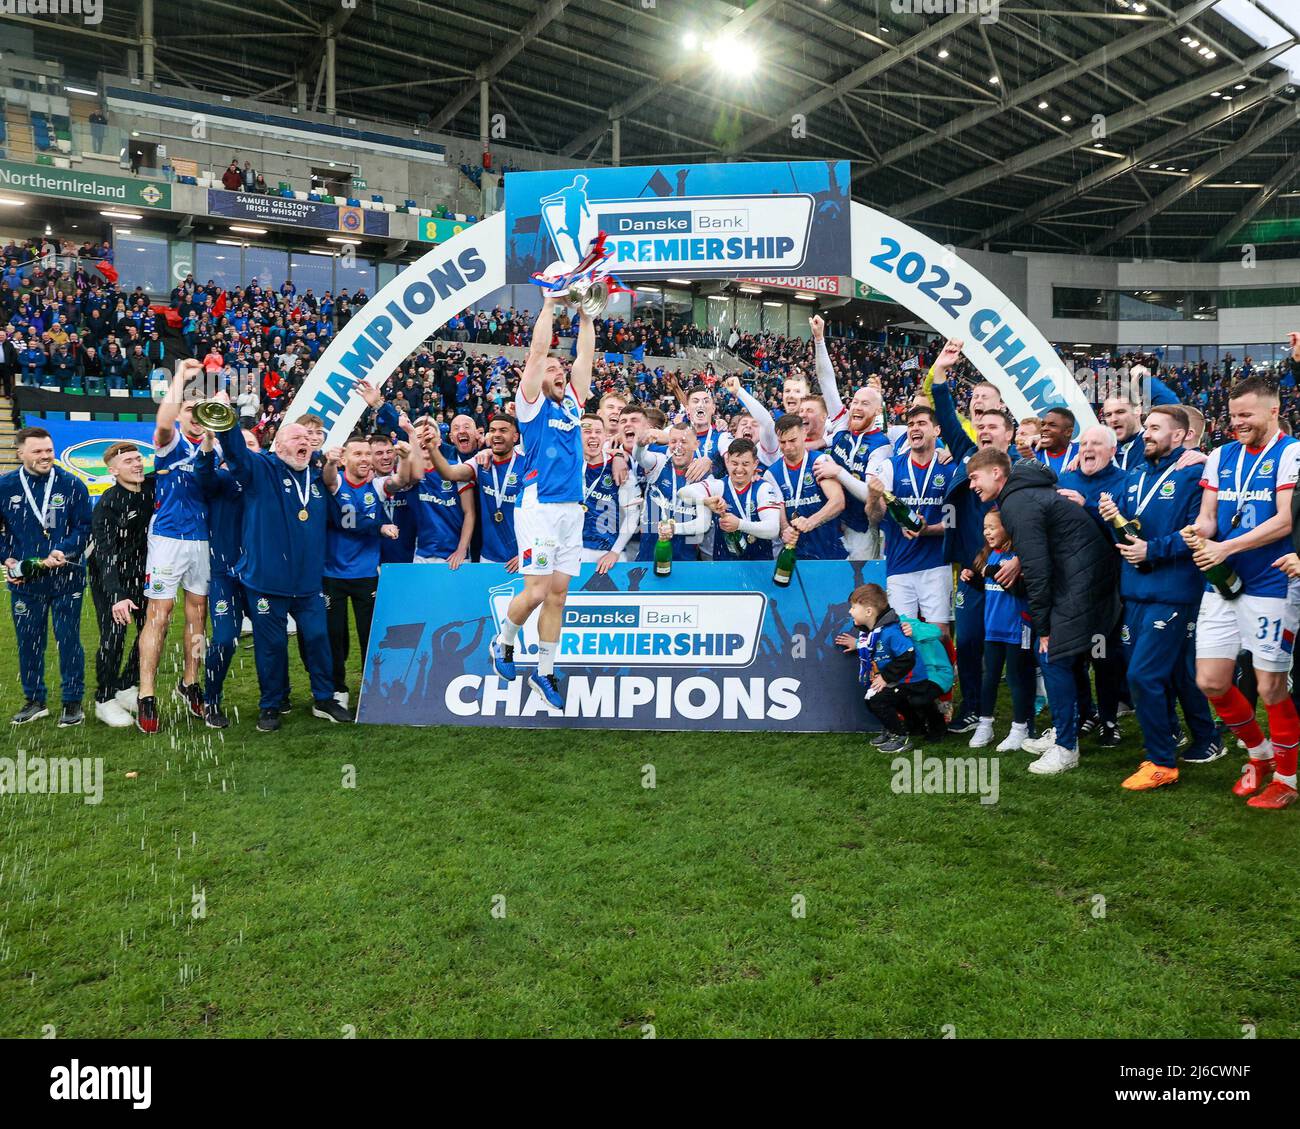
[70, 715]
[31, 711]
[967, 724]
[1089, 725]
[1109, 736]
[329, 710]
[146, 715]
[896, 744]
[192, 696]
[213, 718]
[268, 721]
[286, 704]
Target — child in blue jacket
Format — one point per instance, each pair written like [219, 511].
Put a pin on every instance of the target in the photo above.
[904, 667]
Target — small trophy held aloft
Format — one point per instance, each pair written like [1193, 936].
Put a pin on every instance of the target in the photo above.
[584, 286]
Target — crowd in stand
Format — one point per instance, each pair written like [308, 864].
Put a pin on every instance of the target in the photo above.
[66, 324]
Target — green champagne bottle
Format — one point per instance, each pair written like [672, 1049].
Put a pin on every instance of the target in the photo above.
[1221, 577]
[1126, 529]
[902, 514]
[785, 559]
[664, 549]
[26, 569]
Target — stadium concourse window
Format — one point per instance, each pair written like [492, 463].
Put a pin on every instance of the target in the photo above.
[315, 271]
[141, 260]
[1152, 305]
[749, 315]
[776, 318]
[353, 274]
[219, 263]
[266, 266]
[1089, 305]
[677, 306]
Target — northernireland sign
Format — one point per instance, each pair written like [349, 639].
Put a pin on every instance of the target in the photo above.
[46, 180]
[709, 221]
[713, 646]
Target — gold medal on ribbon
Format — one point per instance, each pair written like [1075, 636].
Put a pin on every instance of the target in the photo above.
[302, 515]
[498, 516]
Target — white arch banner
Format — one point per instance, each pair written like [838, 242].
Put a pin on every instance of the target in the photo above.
[891, 257]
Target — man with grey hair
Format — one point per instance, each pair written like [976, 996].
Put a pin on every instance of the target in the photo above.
[282, 562]
[1097, 473]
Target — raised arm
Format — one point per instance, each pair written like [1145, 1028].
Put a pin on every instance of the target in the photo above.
[170, 408]
[530, 386]
[580, 377]
[767, 443]
[460, 472]
[830, 389]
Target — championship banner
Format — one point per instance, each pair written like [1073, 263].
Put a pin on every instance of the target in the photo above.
[714, 646]
[79, 446]
[887, 256]
[297, 213]
[934, 283]
[706, 221]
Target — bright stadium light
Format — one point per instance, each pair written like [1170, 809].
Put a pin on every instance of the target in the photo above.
[5, 201]
[122, 215]
[741, 56]
[690, 41]
[248, 230]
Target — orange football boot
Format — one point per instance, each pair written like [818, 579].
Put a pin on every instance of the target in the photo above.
[1150, 775]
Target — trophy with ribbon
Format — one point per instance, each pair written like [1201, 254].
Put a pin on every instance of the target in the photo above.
[585, 286]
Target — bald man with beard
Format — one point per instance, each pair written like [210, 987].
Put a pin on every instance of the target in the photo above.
[282, 562]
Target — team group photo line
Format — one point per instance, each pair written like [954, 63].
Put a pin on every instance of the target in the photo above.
[1094, 571]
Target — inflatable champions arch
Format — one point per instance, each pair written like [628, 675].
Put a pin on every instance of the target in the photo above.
[734, 221]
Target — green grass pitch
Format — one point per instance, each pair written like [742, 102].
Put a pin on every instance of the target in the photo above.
[507, 882]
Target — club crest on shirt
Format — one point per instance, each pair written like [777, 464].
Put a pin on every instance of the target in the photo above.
[1167, 490]
[263, 606]
[1125, 636]
[938, 480]
[1266, 467]
[20, 608]
[446, 486]
[223, 606]
[57, 500]
[315, 490]
[367, 499]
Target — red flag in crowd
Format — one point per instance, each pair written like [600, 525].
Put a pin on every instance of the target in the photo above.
[219, 306]
[108, 271]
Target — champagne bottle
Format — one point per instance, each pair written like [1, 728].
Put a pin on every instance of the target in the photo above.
[664, 549]
[785, 559]
[1126, 529]
[900, 512]
[26, 569]
[1220, 577]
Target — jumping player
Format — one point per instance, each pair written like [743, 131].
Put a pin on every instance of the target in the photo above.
[548, 517]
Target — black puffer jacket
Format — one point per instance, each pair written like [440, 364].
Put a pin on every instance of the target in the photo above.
[1070, 567]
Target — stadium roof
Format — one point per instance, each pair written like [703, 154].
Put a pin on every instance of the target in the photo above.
[1113, 127]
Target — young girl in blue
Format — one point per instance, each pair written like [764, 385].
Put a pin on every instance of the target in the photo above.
[1008, 640]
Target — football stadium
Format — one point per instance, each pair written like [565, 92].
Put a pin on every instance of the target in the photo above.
[619, 519]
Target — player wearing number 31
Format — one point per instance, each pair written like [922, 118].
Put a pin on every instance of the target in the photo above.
[46, 519]
[1245, 512]
[282, 562]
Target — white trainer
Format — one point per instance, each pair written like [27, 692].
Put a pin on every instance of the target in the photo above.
[1015, 739]
[129, 699]
[1039, 745]
[113, 714]
[341, 696]
[1055, 761]
[983, 734]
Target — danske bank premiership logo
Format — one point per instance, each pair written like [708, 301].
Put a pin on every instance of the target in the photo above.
[652, 629]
